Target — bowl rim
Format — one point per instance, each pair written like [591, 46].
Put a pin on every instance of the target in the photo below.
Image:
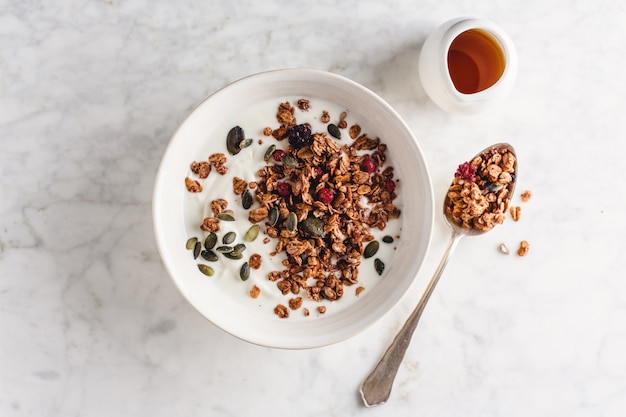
[304, 74]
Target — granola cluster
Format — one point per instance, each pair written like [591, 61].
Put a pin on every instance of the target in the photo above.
[203, 168]
[324, 185]
[480, 193]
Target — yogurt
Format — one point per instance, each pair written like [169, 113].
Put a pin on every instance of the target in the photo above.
[246, 165]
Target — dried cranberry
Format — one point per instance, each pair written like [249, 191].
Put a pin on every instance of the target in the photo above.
[283, 189]
[465, 171]
[390, 185]
[300, 136]
[325, 195]
[368, 165]
[278, 154]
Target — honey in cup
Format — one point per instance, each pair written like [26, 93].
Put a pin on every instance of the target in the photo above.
[475, 61]
[467, 65]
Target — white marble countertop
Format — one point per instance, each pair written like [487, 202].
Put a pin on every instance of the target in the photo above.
[90, 322]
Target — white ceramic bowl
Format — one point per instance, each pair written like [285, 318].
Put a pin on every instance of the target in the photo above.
[227, 304]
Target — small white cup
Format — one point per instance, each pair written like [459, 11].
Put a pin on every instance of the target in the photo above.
[435, 72]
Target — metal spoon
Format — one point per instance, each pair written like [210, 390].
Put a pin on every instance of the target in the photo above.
[376, 388]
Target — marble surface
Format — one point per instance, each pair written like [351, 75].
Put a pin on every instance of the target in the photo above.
[90, 322]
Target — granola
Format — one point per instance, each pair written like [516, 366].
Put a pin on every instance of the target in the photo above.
[218, 161]
[324, 189]
[516, 212]
[526, 195]
[255, 291]
[255, 261]
[479, 196]
[193, 186]
[317, 199]
[202, 168]
[523, 249]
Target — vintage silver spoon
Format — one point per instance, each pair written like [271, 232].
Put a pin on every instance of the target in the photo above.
[376, 388]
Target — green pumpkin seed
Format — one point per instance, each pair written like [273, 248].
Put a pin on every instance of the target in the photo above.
[191, 243]
[292, 222]
[206, 270]
[371, 249]
[196, 249]
[210, 241]
[234, 256]
[269, 152]
[252, 233]
[313, 226]
[273, 216]
[244, 272]
[208, 255]
[245, 143]
[229, 238]
[387, 239]
[227, 215]
[224, 249]
[289, 161]
[379, 266]
[246, 199]
[233, 140]
[304, 258]
[334, 131]
[238, 249]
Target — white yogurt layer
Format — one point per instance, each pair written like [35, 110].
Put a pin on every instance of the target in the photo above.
[245, 165]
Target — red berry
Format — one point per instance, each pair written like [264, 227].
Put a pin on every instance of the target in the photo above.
[466, 171]
[325, 195]
[368, 165]
[283, 189]
[278, 154]
[317, 173]
[390, 186]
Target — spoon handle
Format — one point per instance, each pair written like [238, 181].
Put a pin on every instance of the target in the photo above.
[376, 388]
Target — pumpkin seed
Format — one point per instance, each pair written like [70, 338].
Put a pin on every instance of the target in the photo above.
[292, 222]
[379, 266]
[235, 256]
[290, 161]
[246, 199]
[238, 249]
[494, 187]
[233, 140]
[245, 143]
[273, 216]
[196, 249]
[208, 255]
[206, 270]
[227, 215]
[210, 241]
[371, 249]
[191, 243]
[304, 258]
[244, 272]
[269, 152]
[229, 238]
[224, 249]
[313, 226]
[387, 239]
[252, 233]
[334, 131]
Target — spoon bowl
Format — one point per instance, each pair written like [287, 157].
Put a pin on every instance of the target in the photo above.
[376, 387]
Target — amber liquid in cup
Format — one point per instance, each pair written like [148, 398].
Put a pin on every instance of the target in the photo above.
[475, 61]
